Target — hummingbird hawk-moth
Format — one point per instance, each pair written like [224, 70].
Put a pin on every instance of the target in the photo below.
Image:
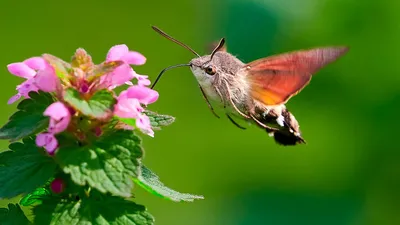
[257, 91]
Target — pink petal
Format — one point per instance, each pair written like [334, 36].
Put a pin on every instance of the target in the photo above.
[14, 98]
[84, 88]
[116, 52]
[122, 74]
[119, 76]
[47, 80]
[57, 111]
[41, 139]
[144, 94]
[123, 95]
[26, 87]
[59, 117]
[57, 186]
[143, 123]
[48, 141]
[129, 83]
[128, 108]
[21, 70]
[134, 58]
[36, 63]
[143, 80]
[98, 131]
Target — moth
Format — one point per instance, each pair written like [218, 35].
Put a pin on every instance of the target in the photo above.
[257, 91]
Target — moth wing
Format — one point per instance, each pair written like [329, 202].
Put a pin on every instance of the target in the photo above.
[274, 80]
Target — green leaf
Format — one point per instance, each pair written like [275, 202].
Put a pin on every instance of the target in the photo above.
[99, 211]
[100, 105]
[107, 164]
[13, 215]
[61, 67]
[128, 121]
[24, 168]
[29, 118]
[37, 196]
[157, 120]
[150, 181]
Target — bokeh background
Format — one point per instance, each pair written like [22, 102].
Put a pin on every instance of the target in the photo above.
[347, 174]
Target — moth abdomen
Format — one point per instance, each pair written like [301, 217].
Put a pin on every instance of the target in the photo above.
[285, 126]
[285, 138]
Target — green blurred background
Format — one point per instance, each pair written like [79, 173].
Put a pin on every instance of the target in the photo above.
[348, 173]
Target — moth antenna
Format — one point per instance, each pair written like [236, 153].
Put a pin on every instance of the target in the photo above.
[166, 69]
[174, 40]
[219, 46]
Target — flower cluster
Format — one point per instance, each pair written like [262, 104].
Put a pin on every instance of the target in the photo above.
[53, 75]
[75, 131]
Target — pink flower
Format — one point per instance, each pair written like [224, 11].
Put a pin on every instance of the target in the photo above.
[20, 69]
[127, 107]
[121, 52]
[39, 74]
[23, 90]
[143, 123]
[48, 141]
[98, 131]
[124, 73]
[57, 185]
[28, 68]
[145, 95]
[129, 101]
[14, 98]
[59, 117]
[47, 80]
[36, 63]
[142, 80]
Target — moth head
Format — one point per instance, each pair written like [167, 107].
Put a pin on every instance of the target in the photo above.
[203, 66]
[209, 65]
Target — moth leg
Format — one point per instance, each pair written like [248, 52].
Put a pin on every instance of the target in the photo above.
[234, 122]
[233, 104]
[252, 113]
[208, 102]
[263, 125]
[220, 95]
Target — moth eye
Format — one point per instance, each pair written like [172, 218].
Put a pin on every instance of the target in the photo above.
[210, 70]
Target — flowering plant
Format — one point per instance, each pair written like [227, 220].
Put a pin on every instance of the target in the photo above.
[75, 154]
